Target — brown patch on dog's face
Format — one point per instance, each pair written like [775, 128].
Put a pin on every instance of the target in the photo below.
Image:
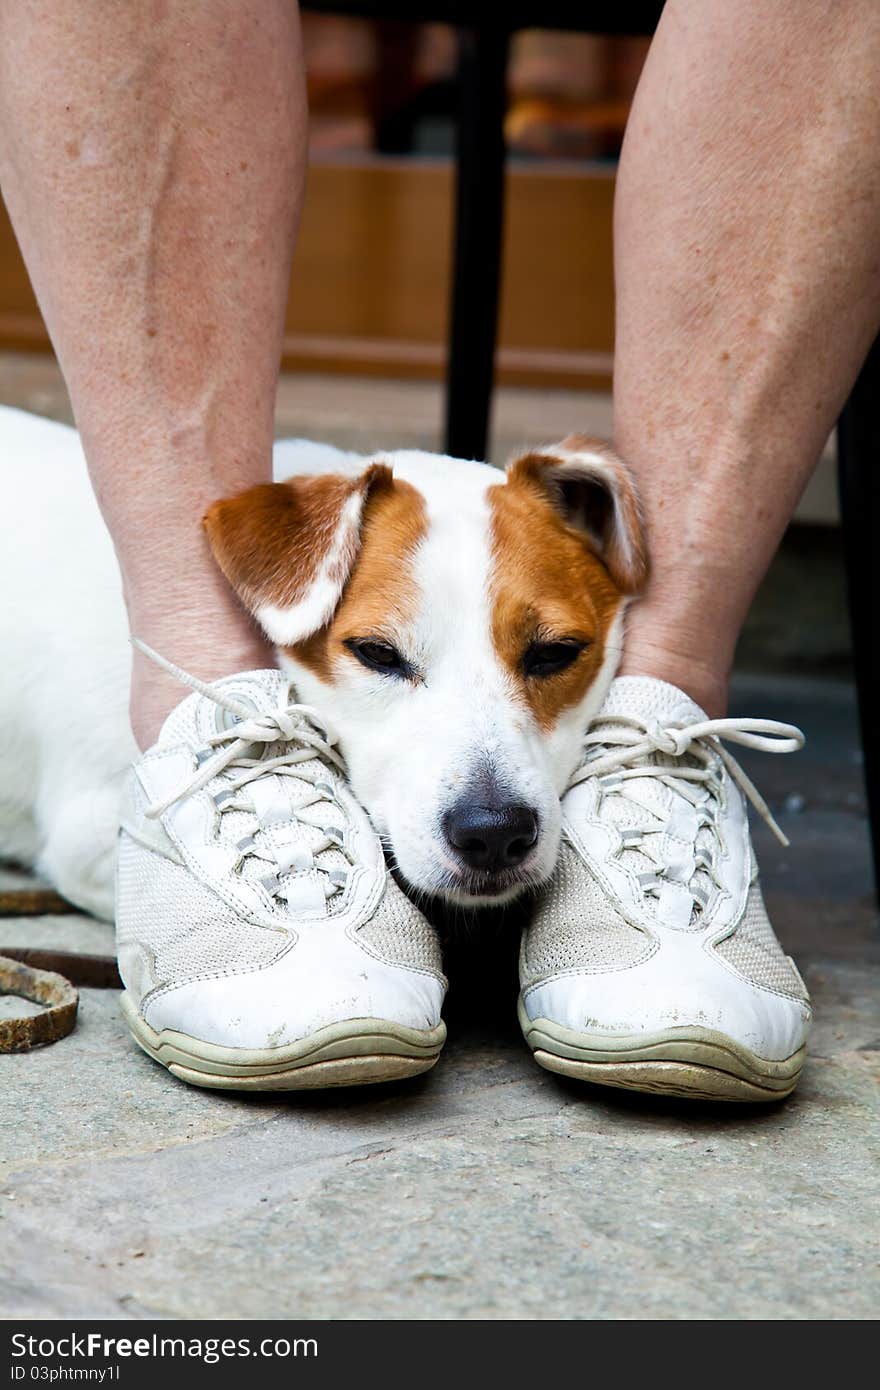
[548, 586]
[380, 590]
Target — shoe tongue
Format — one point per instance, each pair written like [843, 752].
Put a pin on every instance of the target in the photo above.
[196, 718]
[647, 698]
[652, 701]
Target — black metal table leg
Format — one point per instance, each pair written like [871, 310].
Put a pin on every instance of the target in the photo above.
[858, 443]
[479, 224]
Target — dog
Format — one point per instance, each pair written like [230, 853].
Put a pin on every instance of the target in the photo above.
[458, 625]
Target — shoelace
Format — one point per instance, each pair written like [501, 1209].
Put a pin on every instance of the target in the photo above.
[614, 753]
[309, 737]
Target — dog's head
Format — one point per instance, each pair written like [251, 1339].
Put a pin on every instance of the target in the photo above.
[459, 626]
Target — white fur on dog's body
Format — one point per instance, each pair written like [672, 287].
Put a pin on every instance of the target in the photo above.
[65, 742]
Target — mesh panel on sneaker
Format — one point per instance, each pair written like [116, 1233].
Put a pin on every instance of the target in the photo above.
[649, 698]
[754, 951]
[189, 932]
[400, 935]
[577, 928]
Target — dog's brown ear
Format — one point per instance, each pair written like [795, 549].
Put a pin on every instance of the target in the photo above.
[288, 548]
[595, 491]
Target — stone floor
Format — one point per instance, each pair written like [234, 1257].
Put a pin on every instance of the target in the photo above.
[488, 1188]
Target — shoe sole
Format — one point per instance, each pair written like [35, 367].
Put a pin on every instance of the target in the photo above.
[694, 1063]
[358, 1052]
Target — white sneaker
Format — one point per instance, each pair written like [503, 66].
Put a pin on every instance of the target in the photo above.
[650, 962]
[262, 943]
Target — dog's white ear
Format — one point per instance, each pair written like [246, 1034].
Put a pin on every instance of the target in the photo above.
[288, 548]
[595, 492]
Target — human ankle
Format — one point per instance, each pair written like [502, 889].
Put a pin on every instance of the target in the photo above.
[155, 693]
[192, 618]
[702, 682]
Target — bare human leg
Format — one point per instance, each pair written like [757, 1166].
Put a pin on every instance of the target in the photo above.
[152, 158]
[748, 290]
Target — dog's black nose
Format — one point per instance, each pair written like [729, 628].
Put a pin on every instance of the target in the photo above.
[491, 838]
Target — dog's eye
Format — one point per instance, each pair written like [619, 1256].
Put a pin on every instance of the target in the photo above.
[379, 656]
[546, 658]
